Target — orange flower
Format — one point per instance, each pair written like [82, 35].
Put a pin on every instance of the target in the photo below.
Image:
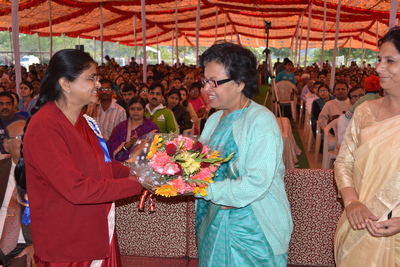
[166, 191]
[200, 190]
[215, 154]
[154, 145]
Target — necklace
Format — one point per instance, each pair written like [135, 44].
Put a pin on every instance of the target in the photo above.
[387, 106]
[58, 105]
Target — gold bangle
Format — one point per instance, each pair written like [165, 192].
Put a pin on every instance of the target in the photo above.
[348, 203]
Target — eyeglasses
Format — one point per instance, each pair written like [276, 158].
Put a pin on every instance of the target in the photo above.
[105, 89]
[95, 78]
[144, 91]
[323, 91]
[18, 137]
[356, 96]
[213, 83]
[133, 109]
[194, 91]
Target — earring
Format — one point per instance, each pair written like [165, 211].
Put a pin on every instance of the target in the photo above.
[238, 91]
[68, 92]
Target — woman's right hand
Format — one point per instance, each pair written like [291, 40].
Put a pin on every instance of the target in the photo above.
[358, 214]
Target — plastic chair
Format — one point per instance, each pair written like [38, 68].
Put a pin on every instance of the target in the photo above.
[283, 94]
[330, 152]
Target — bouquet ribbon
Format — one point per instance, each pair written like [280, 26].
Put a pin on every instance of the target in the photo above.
[146, 195]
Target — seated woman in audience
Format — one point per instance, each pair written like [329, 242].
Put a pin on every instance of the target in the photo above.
[324, 96]
[197, 103]
[187, 105]
[27, 102]
[182, 115]
[367, 172]
[125, 134]
[117, 83]
[143, 92]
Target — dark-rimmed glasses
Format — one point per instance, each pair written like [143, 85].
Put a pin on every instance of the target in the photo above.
[214, 83]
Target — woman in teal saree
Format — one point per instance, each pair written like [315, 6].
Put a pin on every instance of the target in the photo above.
[245, 218]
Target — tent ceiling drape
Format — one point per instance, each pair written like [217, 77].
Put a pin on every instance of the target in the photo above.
[239, 20]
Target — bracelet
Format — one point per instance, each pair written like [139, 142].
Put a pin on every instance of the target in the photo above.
[124, 148]
[348, 203]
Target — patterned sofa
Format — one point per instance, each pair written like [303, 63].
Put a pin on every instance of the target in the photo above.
[166, 237]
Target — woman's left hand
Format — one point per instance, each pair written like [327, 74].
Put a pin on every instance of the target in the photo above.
[384, 228]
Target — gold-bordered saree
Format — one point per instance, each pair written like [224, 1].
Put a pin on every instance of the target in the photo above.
[369, 160]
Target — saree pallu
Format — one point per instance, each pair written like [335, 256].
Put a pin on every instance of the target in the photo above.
[231, 237]
[376, 176]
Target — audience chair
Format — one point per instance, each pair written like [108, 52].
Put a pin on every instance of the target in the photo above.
[318, 139]
[330, 152]
[283, 94]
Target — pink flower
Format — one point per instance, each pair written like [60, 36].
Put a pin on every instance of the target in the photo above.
[171, 168]
[205, 150]
[180, 185]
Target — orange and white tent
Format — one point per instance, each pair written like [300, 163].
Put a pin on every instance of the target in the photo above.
[170, 22]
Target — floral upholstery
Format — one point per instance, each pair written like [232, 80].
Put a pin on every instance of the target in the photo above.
[167, 236]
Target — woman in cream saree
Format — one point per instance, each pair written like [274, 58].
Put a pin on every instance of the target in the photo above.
[367, 172]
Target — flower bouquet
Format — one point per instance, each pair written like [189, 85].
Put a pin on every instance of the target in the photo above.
[171, 165]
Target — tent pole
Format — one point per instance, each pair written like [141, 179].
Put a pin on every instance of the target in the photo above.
[101, 34]
[197, 33]
[51, 29]
[172, 47]
[393, 11]
[158, 50]
[335, 48]
[363, 52]
[40, 49]
[308, 33]
[134, 33]
[301, 38]
[216, 22]
[323, 38]
[349, 57]
[15, 35]
[225, 27]
[143, 3]
[176, 34]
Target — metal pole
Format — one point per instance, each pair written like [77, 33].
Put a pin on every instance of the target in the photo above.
[333, 67]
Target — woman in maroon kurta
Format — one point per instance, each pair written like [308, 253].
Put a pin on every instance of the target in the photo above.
[70, 178]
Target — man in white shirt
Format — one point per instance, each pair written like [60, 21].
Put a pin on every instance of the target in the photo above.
[335, 107]
[106, 112]
[18, 248]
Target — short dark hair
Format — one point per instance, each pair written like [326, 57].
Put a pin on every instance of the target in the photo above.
[155, 85]
[176, 92]
[340, 82]
[356, 87]
[240, 64]
[196, 85]
[103, 81]
[7, 94]
[135, 100]
[392, 36]
[129, 87]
